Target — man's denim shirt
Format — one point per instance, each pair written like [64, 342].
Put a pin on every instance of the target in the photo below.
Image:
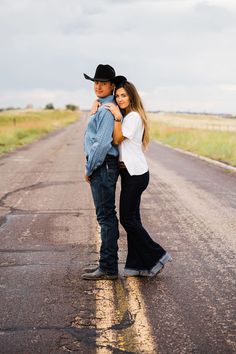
[98, 137]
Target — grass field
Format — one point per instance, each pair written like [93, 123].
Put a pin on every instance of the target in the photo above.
[20, 127]
[197, 134]
[198, 121]
[210, 136]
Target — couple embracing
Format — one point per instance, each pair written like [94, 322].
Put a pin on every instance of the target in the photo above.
[114, 141]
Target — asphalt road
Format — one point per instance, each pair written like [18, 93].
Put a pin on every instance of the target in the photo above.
[48, 233]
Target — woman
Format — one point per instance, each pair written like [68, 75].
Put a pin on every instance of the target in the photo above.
[145, 257]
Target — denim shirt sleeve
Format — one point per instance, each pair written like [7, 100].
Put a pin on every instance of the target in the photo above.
[102, 142]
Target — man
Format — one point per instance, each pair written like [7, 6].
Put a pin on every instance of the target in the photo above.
[102, 172]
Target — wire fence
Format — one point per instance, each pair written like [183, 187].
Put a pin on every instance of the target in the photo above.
[226, 125]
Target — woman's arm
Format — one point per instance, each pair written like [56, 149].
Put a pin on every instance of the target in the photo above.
[95, 106]
[117, 132]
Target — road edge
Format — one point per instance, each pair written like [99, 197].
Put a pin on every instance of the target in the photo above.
[207, 159]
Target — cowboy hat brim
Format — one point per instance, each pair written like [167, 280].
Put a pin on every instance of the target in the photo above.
[96, 78]
[116, 79]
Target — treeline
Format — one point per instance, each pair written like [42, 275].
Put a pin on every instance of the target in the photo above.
[48, 106]
[70, 106]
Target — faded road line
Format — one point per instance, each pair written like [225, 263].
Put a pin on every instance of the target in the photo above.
[142, 328]
[121, 319]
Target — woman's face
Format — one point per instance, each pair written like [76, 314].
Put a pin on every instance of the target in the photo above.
[122, 98]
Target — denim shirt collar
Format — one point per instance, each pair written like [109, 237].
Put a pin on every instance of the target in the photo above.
[106, 99]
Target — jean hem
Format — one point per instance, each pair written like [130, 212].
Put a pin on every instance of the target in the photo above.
[107, 272]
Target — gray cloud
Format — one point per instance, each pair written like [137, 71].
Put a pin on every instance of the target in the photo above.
[47, 45]
[215, 16]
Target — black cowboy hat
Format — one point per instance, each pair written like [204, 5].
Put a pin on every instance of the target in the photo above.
[106, 73]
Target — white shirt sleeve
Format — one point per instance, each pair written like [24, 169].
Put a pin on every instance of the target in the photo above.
[130, 125]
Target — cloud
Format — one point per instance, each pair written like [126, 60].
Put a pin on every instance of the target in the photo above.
[47, 45]
[207, 99]
[182, 98]
[213, 17]
[231, 88]
[39, 98]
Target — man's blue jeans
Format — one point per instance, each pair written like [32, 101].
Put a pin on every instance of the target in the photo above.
[103, 184]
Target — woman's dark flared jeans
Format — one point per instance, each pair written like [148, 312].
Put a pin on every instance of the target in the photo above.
[143, 252]
[103, 185]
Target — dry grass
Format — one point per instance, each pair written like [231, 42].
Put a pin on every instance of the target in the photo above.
[216, 144]
[196, 121]
[20, 127]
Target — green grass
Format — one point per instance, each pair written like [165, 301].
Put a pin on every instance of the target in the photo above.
[217, 145]
[21, 127]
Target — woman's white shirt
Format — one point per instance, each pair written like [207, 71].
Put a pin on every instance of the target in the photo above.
[130, 150]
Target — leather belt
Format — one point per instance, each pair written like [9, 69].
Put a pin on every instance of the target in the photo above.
[122, 165]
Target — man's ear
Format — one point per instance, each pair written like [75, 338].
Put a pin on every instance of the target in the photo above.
[113, 86]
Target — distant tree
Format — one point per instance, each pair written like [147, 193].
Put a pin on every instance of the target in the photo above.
[72, 107]
[49, 106]
[29, 106]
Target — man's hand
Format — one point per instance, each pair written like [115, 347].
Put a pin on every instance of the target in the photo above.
[87, 178]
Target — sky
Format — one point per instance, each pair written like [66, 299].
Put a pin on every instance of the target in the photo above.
[180, 54]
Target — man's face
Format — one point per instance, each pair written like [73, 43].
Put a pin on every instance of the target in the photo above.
[103, 89]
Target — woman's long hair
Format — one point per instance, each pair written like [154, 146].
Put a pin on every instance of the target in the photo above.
[137, 106]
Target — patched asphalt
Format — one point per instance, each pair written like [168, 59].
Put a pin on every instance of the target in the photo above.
[48, 234]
